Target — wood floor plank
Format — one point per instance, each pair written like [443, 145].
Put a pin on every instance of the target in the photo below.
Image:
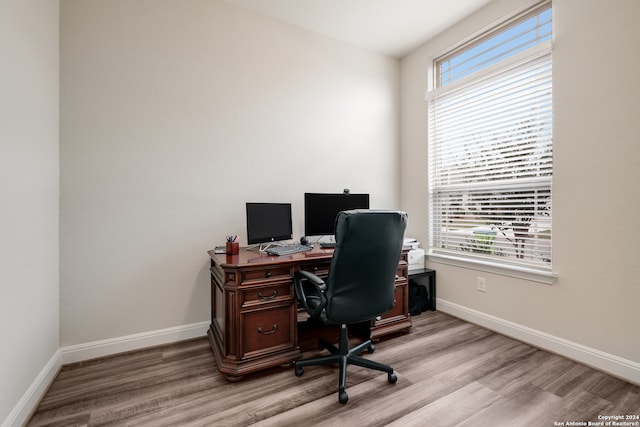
[450, 373]
[516, 412]
[364, 406]
[451, 409]
[588, 405]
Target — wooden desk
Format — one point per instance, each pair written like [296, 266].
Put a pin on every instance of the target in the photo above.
[254, 309]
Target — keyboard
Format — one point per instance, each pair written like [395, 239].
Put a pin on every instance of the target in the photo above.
[326, 245]
[288, 249]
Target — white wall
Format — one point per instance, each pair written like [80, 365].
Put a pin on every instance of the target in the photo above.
[596, 197]
[172, 115]
[29, 190]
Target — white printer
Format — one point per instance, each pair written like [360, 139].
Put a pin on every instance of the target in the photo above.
[416, 255]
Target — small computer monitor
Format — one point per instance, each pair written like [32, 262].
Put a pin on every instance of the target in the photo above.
[268, 222]
[321, 210]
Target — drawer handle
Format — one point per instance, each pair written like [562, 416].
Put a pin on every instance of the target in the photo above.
[268, 297]
[272, 331]
[267, 274]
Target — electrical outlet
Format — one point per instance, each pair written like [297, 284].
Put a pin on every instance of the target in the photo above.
[481, 284]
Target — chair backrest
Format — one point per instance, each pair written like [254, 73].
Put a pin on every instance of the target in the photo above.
[361, 278]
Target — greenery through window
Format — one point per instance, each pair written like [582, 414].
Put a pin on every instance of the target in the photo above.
[490, 146]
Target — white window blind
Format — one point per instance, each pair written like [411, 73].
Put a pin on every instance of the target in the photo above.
[490, 163]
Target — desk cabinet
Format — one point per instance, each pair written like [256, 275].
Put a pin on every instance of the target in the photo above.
[398, 318]
[254, 309]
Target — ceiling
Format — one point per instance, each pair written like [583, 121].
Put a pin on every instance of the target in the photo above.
[390, 27]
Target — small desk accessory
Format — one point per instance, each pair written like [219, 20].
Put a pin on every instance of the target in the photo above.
[233, 245]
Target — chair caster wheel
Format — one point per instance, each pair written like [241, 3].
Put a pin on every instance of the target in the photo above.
[343, 397]
[392, 378]
[371, 348]
[299, 371]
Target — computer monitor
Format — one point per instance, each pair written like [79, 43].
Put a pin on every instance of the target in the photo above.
[321, 210]
[268, 222]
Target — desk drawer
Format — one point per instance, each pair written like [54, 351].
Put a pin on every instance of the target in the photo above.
[266, 294]
[399, 308]
[268, 330]
[403, 270]
[262, 274]
[320, 269]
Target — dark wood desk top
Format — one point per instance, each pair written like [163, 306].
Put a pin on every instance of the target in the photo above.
[252, 257]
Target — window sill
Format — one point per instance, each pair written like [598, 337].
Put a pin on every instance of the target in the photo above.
[524, 273]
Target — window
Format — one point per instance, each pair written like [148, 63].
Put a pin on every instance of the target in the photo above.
[490, 148]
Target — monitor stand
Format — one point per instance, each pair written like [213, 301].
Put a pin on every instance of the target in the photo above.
[262, 247]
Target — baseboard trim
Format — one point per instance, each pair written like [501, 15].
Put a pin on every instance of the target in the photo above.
[29, 401]
[77, 353]
[621, 368]
[108, 347]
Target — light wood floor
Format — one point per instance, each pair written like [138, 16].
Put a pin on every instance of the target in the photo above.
[450, 373]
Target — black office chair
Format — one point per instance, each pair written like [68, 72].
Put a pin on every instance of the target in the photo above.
[360, 286]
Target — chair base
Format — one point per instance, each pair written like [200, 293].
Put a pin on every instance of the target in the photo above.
[344, 356]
